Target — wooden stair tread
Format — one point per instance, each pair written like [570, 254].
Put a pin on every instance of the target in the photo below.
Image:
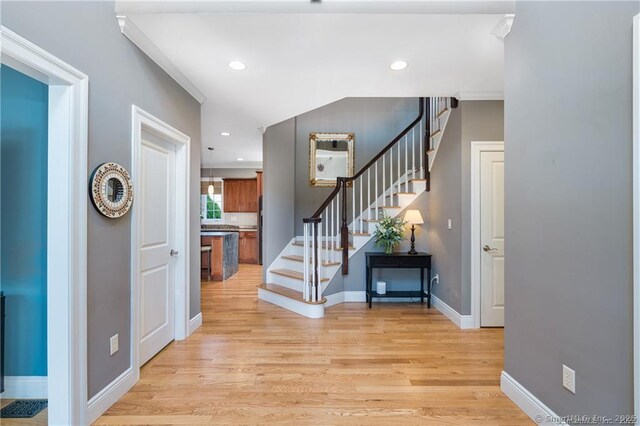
[361, 234]
[400, 193]
[442, 112]
[324, 245]
[293, 274]
[417, 180]
[287, 292]
[435, 133]
[298, 258]
[371, 220]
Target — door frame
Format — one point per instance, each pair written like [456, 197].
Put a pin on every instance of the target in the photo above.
[66, 224]
[141, 122]
[477, 148]
[636, 213]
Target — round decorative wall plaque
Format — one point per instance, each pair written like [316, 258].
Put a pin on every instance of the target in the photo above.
[111, 190]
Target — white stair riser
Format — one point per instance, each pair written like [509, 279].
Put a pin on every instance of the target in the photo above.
[309, 311]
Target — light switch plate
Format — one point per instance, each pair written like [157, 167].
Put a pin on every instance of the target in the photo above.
[113, 344]
[569, 378]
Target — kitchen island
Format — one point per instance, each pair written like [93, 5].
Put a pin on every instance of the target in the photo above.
[224, 253]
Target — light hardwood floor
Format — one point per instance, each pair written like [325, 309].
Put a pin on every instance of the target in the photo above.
[254, 363]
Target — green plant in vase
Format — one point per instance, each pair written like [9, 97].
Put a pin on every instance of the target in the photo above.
[389, 233]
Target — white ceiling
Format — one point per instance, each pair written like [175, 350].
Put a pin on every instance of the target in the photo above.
[298, 62]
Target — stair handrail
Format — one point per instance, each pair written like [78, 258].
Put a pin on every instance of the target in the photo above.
[363, 169]
[312, 225]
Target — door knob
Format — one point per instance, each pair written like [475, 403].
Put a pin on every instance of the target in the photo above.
[489, 249]
[174, 253]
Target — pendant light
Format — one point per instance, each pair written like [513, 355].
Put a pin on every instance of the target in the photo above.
[210, 189]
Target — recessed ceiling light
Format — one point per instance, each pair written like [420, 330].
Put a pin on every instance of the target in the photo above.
[237, 66]
[398, 65]
[225, 134]
[240, 159]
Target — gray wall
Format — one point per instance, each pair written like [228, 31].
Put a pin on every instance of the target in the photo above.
[450, 197]
[86, 35]
[375, 122]
[229, 173]
[568, 175]
[278, 188]
[397, 279]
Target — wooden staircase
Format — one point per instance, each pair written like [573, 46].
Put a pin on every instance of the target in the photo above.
[344, 224]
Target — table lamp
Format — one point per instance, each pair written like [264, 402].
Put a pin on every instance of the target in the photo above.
[414, 218]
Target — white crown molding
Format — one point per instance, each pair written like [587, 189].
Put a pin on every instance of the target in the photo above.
[503, 27]
[144, 43]
[480, 96]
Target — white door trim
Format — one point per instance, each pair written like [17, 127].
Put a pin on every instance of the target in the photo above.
[636, 213]
[66, 224]
[143, 121]
[477, 147]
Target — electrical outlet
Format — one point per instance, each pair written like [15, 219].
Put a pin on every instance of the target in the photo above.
[449, 224]
[113, 344]
[568, 378]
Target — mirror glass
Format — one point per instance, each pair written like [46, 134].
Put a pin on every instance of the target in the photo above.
[115, 190]
[331, 156]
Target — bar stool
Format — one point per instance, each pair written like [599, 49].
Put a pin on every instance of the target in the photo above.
[207, 249]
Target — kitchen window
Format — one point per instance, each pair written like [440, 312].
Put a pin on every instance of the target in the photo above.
[211, 208]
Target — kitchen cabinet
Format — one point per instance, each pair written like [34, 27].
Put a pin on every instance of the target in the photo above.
[240, 196]
[248, 247]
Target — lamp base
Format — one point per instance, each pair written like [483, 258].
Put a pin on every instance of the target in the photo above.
[413, 241]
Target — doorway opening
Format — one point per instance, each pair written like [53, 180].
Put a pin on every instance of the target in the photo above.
[65, 255]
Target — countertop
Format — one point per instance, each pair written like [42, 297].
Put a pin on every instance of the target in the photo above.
[217, 233]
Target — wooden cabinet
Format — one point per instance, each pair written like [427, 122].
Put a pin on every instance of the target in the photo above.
[248, 247]
[259, 182]
[240, 196]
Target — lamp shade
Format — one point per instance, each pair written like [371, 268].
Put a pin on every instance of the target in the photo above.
[413, 217]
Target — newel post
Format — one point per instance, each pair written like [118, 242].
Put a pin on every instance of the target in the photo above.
[344, 228]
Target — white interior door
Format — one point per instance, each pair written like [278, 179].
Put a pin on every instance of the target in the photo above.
[157, 264]
[492, 239]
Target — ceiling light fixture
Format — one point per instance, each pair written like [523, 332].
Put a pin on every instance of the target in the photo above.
[237, 66]
[225, 134]
[398, 65]
[240, 159]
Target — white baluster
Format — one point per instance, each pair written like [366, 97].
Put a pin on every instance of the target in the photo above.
[329, 242]
[384, 184]
[361, 209]
[421, 137]
[376, 196]
[313, 262]
[390, 177]
[413, 153]
[399, 174]
[338, 222]
[305, 259]
[353, 206]
[368, 194]
[406, 163]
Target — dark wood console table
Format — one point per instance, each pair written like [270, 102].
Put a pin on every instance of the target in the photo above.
[420, 261]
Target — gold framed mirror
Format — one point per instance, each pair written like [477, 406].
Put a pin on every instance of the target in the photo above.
[330, 156]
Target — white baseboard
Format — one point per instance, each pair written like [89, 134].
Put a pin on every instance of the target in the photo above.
[334, 299]
[532, 406]
[464, 322]
[32, 387]
[195, 323]
[110, 395]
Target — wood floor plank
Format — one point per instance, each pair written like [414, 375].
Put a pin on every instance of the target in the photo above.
[254, 363]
